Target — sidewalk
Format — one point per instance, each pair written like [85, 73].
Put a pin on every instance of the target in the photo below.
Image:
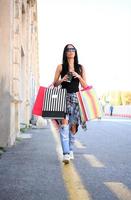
[119, 111]
[30, 170]
[116, 117]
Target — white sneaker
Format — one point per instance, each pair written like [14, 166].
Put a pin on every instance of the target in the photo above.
[71, 155]
[66, 158]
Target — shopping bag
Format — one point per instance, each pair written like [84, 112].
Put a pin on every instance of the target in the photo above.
[38, 105]
[54, 103]
[89, 104]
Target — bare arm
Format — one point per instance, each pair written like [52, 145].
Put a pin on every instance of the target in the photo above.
[57, 81]
[82, 77]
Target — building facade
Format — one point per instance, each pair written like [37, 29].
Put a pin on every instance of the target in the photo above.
[19, 67]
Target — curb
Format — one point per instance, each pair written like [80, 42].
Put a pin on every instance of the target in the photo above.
[119, 115]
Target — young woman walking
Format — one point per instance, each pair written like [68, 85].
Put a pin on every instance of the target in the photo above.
[70, 74]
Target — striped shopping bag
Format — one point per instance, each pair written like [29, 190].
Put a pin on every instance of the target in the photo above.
[89, 104]
[50, 103]
[54, 103]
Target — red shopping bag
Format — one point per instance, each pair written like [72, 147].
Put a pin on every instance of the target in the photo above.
[38, 105]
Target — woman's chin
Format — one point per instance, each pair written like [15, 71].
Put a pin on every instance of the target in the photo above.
[72, 56]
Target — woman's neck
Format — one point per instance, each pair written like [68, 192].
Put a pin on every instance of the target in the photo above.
[71, 64]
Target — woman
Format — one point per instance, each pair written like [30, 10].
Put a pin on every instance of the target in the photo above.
[69, 125]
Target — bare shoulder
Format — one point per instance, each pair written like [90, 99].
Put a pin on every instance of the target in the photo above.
[59, 67]
[82, 68]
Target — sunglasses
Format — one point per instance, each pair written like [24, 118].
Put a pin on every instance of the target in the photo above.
[70, 49]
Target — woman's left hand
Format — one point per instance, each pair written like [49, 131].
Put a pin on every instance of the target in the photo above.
[76, 75]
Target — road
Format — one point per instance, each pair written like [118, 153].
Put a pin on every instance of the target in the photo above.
[101, 170]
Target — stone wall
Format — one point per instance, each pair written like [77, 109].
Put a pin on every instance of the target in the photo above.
[5, 60]
[19, 72]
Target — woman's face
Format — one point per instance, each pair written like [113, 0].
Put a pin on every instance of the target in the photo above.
[70, 51]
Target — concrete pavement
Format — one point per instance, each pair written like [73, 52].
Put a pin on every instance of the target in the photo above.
[30, 170]
[33, 170]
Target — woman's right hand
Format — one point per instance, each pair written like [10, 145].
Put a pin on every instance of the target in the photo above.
[65, 78]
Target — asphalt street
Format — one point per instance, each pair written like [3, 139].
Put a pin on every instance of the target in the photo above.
[32, 169]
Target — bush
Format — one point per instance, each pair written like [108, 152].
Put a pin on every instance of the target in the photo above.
[126, 98]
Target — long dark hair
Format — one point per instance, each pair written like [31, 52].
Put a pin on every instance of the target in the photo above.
[65, 61]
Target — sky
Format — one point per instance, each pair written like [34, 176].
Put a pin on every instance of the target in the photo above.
[101, 32]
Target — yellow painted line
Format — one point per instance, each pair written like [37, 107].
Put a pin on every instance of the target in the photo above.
[94, 162]
[79, 145]
[74, 185]
[120, 190]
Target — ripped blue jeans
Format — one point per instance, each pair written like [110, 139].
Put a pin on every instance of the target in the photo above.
[67, 139]
[66, 136]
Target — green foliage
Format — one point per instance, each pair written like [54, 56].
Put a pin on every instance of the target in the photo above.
[117, 98]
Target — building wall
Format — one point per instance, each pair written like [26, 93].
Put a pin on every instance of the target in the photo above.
[4, 71]
[19, 72]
